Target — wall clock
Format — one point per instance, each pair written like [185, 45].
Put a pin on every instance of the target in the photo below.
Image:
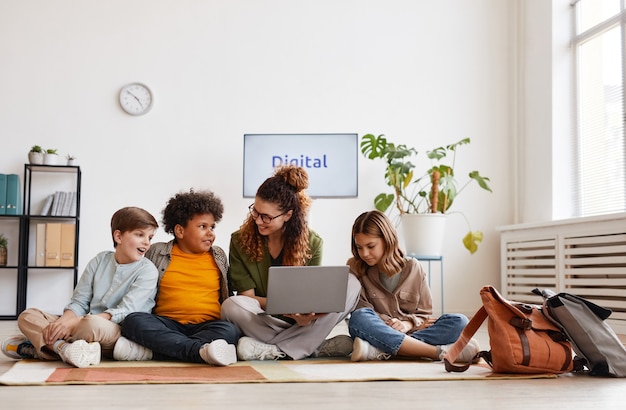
[136, 98]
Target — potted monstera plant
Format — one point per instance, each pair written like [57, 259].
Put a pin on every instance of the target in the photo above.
[429, 195]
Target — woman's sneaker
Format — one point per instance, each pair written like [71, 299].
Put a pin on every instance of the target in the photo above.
[78, 353]
[252, 349]
[338, 346]
[362, 351]
[219, 353]
[19, 347]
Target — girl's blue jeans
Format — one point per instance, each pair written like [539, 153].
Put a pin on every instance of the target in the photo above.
[365, 324]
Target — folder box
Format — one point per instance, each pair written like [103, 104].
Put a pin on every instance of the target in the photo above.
[3, 194]
[68, 235]
[40, 245]
[53, 244]
[13, 195]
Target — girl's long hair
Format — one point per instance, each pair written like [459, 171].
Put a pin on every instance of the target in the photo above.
[376, 223]
[285, 189]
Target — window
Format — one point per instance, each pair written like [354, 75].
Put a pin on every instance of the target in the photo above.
[599, 45]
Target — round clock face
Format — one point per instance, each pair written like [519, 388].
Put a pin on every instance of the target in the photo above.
[136, 99]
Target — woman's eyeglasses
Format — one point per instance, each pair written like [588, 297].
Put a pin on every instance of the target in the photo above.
[264, 217]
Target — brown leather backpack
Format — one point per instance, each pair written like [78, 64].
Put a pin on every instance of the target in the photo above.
[521, 338]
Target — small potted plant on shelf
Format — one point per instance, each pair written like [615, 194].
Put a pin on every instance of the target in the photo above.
[71, 159]
[35, 155]
[431, 195]
[50, 157]
[3, 250]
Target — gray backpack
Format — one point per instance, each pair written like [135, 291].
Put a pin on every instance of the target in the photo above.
[591, 337]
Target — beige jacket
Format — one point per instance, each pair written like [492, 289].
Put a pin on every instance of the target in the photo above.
[410, 301]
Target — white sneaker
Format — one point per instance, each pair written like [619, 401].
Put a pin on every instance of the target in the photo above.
[251, 349]
[128, 350]
[79, 353]
[362, 351]
[218, 353]
[467, 355]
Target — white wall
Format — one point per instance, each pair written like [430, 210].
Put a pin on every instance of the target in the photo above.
[426, 73]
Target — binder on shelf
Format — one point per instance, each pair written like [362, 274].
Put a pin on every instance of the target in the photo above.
[73, 204]
[47, 204]
[13, 196]
[62, 203]
[53, 244]
[3, 194]
[40, 245]
[68, 236]
[67, 203]
[55, 204]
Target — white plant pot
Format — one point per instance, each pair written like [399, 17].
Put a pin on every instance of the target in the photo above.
[35, 158]
[424, 233]
[50, 159]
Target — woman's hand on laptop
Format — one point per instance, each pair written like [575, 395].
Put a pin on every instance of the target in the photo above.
[304, 319]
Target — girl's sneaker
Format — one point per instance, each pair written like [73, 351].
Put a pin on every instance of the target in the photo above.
[469, 354]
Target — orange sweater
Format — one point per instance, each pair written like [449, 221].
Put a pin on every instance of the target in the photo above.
[190, 288]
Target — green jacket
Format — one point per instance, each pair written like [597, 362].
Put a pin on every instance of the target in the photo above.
[245, 274]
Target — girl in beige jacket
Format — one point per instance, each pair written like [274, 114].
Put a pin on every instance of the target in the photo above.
[393, 316]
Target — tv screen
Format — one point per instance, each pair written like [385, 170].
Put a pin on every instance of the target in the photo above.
[331, 160]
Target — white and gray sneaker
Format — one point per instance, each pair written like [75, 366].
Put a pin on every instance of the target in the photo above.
[127, 350]
[467, 355]
[363, 351]
[252, 349]
[78, 353]
[218, 353]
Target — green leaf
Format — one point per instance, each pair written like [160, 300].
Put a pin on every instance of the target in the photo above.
[482, 181]
[464, 141]
[471, 241]
[407, 180]
[383, 201]
[373, 147]
[437, 153]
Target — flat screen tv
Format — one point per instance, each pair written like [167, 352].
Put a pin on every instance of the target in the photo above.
[331, 161]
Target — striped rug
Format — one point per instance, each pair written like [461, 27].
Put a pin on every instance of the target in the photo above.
[33, 372]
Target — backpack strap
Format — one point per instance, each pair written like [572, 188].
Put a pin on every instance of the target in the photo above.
[467, 333]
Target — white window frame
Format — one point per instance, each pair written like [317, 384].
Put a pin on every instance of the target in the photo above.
[599, 189]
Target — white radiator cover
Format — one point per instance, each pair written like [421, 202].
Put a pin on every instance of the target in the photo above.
[582, 256]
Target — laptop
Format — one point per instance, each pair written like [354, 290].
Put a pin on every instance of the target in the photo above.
[306, 289]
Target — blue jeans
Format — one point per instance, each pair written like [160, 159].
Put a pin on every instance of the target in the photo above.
[170, 340]
[367, 325]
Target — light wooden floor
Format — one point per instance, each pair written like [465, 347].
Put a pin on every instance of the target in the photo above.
[566, 392]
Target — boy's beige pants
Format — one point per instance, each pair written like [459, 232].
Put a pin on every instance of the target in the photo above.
[90, 328]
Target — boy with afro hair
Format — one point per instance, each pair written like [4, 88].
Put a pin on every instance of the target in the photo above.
[185, 324]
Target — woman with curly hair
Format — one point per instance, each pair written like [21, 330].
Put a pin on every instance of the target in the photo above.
[276, 233]
[185, 323]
